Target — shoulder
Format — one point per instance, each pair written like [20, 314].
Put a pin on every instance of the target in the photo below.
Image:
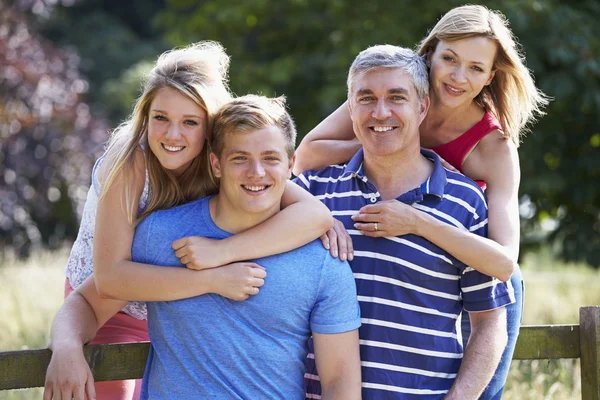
[309, 179]
[495, 156]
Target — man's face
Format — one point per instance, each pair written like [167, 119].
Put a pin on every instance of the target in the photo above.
[253, 170]
[386, 111]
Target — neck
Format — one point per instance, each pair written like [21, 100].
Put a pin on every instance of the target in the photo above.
[234, 219]
[398, 173]
[445, 118]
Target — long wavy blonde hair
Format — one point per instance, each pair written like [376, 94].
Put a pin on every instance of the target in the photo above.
[512, 95]
[198, 71]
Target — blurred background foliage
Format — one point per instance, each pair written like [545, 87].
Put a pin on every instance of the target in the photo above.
[71, 69]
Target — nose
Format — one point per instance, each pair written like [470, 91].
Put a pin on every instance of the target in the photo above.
[256, 169]
[381, 111]
[173, 132]
[459, 75]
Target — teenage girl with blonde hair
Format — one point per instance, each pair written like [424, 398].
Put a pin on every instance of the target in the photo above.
[482, 99]
[158, 159]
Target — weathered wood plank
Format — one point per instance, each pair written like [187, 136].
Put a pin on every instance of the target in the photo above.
[27, 368]
[589, 318]
[547, 342]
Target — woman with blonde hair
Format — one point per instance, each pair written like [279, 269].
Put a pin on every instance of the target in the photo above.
[482, 99]
[158, 159]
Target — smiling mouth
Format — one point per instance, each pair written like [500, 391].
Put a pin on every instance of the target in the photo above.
[173, 149]
[453, 89]
[382, 129]
[256, 188]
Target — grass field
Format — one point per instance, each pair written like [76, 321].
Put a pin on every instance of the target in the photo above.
[32, 292]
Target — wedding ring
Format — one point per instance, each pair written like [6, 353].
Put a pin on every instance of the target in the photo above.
[375, 227]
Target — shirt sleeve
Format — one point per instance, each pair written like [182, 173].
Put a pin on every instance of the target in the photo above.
[303, 181]
[481, 292]
[336, 308]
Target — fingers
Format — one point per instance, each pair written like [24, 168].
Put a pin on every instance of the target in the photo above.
[79, 393]
[182, 252]
[90, 390]
[333, 242]
[362, 217]
[47, 391]
[325, 240]
[179, 243]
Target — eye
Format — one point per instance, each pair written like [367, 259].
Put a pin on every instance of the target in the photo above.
[272, 159]
[366, 99]
[448, 58]
[398, 98]
[190, 122]
[239, 158]
[160, 118]
[476, 68]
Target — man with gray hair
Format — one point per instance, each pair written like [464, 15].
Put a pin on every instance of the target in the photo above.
[411, 292]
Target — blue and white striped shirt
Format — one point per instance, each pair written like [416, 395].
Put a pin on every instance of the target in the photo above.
[410, 291]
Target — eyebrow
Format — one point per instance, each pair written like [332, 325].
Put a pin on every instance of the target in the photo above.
[398, 90]
[185, 116]
[473, 62]
[266, 152]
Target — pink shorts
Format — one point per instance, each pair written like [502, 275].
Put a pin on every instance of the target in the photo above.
[121, 328]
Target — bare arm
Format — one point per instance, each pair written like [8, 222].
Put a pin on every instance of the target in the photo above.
[338, 362]
[495, 160]
[330, 142]
[117, 277]
[482, 354]
[74, 325]
[302, 220]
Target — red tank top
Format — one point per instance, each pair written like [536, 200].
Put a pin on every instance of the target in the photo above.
[456, 150]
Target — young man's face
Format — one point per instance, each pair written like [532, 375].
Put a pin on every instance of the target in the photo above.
[253, 170]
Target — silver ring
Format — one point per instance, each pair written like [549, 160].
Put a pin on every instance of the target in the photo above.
[375, 226]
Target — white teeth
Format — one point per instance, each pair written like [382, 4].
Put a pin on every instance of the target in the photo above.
[173, 148]
[254, 188]
[382, 128]
[453, 89]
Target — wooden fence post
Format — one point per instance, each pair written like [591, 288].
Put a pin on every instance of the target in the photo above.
[589, 329]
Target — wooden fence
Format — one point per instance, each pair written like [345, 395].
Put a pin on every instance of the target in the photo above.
[27, 368]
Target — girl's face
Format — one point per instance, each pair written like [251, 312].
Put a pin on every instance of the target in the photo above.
[460, 69]
[176, 129]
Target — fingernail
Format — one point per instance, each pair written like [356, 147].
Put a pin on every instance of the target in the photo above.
[350, 257]
[343, 257]
[335, 253]
[353, 217]
[355, 225]
[327, 246]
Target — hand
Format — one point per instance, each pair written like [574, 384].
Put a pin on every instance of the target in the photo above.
[386, 218]
[69, 376]
[338, 241]
[197, 252]
[238, 281]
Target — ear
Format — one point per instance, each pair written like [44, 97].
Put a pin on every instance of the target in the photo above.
[492, 74]
[215, 165]
[424, 108]
[349, 104]
[291, 166]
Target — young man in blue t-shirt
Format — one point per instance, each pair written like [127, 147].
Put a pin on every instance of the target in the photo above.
[210, 346]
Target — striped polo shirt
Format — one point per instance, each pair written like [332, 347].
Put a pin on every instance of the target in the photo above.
[411, 292]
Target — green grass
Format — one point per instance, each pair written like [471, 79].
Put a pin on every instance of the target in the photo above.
[32, 292]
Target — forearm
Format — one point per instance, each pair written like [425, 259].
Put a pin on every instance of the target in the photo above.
[479, 253]
[344, 389]
[74, 324]
[142, 282]
[481, 356]
[303, 220]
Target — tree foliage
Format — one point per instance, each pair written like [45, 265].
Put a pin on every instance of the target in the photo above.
[302, 49]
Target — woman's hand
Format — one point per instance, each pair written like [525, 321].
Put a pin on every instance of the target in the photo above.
[386, 218]
[338, 241]
[69, 376]
[196, 252]
[237, 281]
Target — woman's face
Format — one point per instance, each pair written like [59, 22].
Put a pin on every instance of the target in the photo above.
[176, 129]
[460, 69]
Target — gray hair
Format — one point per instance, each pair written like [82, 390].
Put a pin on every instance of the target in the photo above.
[388, 56]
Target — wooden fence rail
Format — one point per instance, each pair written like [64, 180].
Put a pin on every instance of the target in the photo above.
[27, 368]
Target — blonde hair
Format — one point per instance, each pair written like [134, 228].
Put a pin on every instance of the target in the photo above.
[253, 112]
[198, 71]
[512, 95]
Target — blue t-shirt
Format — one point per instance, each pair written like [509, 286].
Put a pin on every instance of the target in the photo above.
[213, 347]
[411, 292]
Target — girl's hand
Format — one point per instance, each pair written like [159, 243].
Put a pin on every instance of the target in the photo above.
[238, 281]
[69, 376]
[338, 241]
[196, 252]
[386, 218]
